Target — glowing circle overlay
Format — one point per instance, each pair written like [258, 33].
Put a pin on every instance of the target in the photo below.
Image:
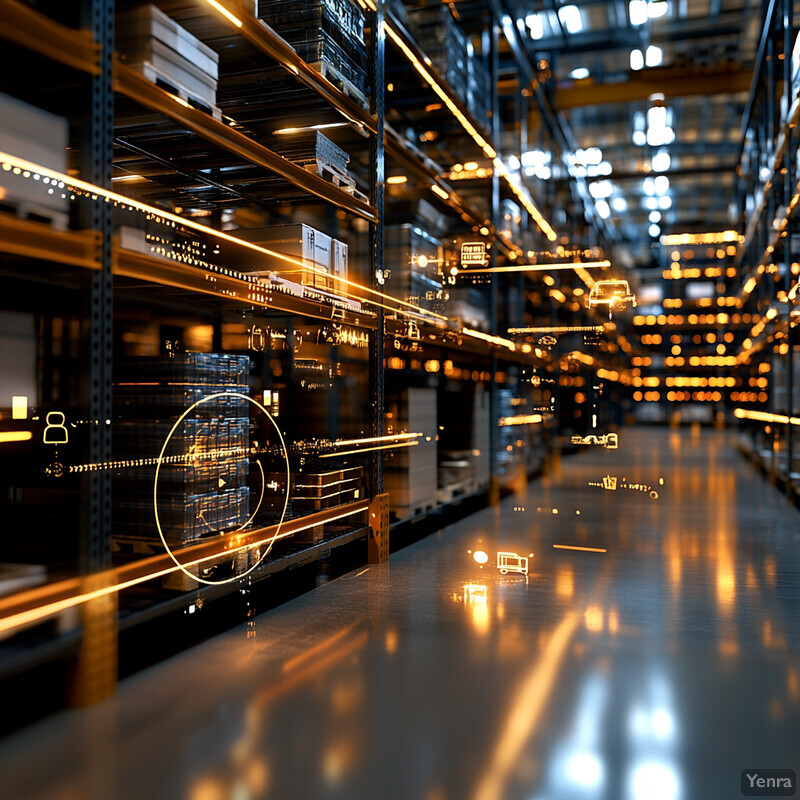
[180, 419]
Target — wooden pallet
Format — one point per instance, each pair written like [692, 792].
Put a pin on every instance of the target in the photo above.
[331, 74]
[331, 174]
[447, 494]
[168, 84]
[408, 512]
[35, 212]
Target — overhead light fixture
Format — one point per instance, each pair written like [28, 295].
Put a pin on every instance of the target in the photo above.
[637, 59]
[655, 216]
[579, 73]
[639, 138]
[396, 179]
[602, 209]
[661, 161]
[601, 189]
[661, 184]
[225, 13]
[651, 203]
[320, 127]
[637, 11]
[604, 168]
[654, 231]
[535, 24]
[665, 202]
[657, 8]
[571, 19]
[591, 155]
[619, 205]
[653, 56]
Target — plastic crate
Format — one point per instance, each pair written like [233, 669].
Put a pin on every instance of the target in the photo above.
[341, 19]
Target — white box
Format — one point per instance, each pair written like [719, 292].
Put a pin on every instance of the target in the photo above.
[149, 22]
[339, 260]
[410, 475]
[299, 241]
[153, 56]
[42, 138]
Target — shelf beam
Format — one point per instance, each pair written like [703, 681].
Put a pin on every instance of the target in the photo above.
[138, 88]
[35, 605]
[21, 237]
[29, 28]
[265, 39]
[669, 82]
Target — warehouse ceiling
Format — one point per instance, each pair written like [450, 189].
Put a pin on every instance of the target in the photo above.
[659, 88]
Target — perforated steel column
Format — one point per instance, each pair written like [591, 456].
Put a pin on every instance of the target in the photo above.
[376, 153]
[94, 673]
[96, 156]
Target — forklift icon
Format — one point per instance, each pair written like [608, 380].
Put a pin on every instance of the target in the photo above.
[511, 562]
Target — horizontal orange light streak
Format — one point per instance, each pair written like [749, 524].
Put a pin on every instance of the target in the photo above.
[49, 609]
[575, 547]
[763, 416]
[396, 436]
[542, 267]
[69, 181]
[443, 96]
[369, 449]
[559, 329]
[720, 237]
[15, 436]
[522, 419]
[498, 340]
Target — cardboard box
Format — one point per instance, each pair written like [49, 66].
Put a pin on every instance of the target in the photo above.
[42, 138]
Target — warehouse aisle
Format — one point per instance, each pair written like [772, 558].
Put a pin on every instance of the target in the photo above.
[660, 668]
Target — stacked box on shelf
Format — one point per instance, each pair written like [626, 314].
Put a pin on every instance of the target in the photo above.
[155, 45]
[478, 89]
[466, 424]
[315, 152]
[311, 149]
[327, 34]
[314, 491]
[325, 258]
[41, 138]
[444, 43]
[410, 472]
[413, 259]
[202, 486]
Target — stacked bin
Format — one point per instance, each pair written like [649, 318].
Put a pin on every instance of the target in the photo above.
[327, 34]
[202, 486]
[410, 472]
[444, 43]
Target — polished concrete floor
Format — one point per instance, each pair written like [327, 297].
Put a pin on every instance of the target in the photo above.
[656, 670]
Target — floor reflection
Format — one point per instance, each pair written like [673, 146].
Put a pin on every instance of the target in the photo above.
[656, 665]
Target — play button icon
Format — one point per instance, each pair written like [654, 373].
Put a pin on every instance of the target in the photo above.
[221, 483]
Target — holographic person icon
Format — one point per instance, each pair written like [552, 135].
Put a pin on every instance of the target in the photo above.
[56, 431]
